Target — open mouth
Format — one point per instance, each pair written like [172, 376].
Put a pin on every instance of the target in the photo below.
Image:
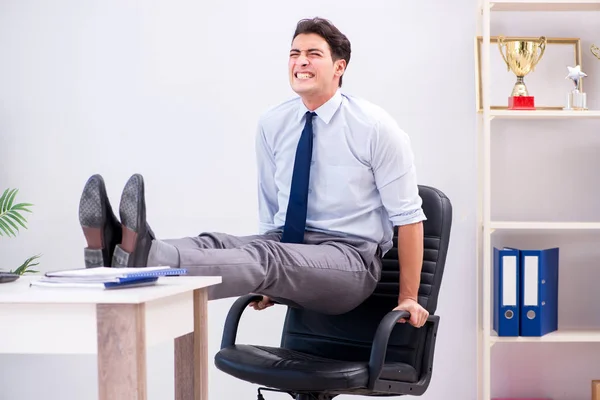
[304, 75]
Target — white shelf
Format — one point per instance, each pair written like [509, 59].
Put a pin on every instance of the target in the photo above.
[564, 336]
[486, 337]
[533, 225]
[543, 114]
[548, 5]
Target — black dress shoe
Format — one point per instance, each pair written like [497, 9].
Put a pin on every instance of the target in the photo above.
[137, 235]
[100, 226]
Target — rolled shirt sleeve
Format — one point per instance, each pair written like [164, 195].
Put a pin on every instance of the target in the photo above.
[395, 173]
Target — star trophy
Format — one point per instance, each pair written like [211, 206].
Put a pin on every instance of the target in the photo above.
[576, 99]
[521, 57]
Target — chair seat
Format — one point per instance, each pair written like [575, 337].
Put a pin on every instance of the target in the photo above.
[295, 371]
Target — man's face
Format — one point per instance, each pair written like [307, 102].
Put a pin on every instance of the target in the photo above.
[312, 71]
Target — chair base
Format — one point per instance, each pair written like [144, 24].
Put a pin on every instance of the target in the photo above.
[313, 397]
[297, 396]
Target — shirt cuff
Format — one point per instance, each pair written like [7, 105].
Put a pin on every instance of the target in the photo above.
[410, 217]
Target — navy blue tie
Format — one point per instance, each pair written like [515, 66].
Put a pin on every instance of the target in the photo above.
[295, 219]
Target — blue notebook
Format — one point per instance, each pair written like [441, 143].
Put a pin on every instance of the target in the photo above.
[143, 274]
[133, 282]
[110, 275]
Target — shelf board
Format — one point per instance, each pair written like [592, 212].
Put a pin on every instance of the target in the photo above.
[543, 114]
[533, 225]
[561, 335]
[547, 5]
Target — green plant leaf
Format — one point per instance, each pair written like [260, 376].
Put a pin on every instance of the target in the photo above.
[17, 217]
[3, 198]
[6, 229]
[24, 268]
[11, 214]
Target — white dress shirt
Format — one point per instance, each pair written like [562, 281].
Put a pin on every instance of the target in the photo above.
[362, 181]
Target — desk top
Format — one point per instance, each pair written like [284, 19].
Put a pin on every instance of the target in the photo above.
[19, 291]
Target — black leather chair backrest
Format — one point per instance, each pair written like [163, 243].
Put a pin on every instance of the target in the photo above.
[349, 336]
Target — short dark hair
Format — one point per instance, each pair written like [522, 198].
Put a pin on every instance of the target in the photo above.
[339, 44]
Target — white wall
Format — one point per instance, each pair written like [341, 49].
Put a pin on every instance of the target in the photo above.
[547, 171]
[173, 90]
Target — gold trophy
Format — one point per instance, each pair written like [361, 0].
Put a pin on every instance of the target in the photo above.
[521, 57]
[595, 51]
[576, 99]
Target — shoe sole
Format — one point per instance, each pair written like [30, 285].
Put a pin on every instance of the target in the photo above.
[92, 216]
[132, 211]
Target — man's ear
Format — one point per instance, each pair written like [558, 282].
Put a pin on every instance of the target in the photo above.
[340, 67]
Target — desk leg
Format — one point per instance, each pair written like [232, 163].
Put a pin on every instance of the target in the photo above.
[191, 355]
[121, 351]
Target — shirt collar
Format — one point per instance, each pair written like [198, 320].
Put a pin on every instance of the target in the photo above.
[324, 112]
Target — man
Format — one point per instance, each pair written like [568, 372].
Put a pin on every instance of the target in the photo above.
[335, 174]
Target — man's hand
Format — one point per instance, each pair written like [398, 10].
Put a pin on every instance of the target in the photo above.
[262, 304]
[418, 315]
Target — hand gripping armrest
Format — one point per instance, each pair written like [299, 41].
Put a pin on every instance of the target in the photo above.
[382, 336]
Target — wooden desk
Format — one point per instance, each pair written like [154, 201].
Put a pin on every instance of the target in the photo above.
[117, 326]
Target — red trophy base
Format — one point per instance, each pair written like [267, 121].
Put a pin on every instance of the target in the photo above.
[521, 103]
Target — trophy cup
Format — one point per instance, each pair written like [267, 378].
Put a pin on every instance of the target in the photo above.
[521, 57]
[576, 99]
[595, 51]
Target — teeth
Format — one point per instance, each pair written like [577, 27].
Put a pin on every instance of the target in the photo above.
[304, 75]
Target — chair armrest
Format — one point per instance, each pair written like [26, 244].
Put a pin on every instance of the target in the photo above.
[233, 318]
[382, 336]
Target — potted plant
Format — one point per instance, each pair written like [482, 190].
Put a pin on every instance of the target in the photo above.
[11, 220]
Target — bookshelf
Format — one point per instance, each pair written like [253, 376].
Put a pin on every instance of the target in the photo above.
[543, 114]
[568, 336]
[541, 5]
[486, 336]
[541, 225]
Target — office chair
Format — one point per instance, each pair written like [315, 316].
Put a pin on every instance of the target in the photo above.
[362, 352]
